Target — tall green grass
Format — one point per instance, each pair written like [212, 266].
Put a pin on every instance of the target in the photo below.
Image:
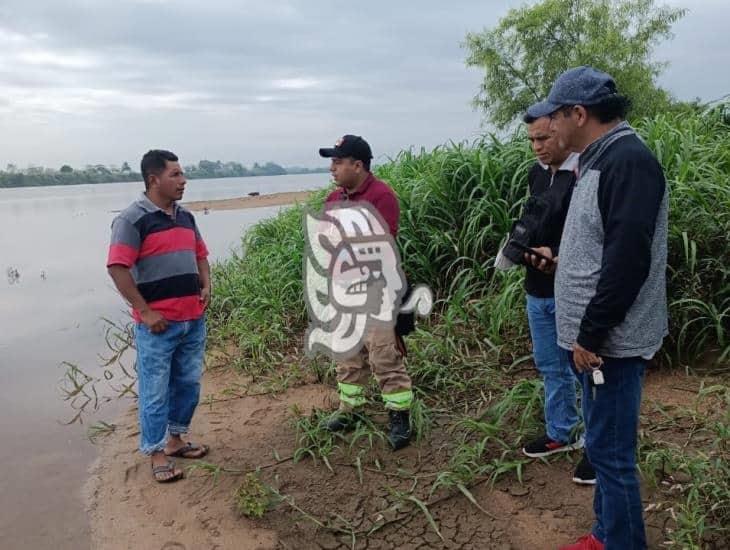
[258, 302]
[695, 153]
[458, 203]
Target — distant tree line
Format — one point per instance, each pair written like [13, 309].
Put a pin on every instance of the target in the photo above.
[36, 176]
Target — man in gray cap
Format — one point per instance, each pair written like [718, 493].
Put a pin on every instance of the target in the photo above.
[610, 287]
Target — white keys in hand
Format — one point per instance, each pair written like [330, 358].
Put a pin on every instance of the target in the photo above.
[597, 377]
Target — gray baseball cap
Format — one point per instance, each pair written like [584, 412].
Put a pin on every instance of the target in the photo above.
[579, 86]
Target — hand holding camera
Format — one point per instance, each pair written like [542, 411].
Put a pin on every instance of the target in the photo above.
[517, 250]
[541, 258]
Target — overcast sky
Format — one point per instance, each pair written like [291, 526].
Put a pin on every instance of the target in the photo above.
[97, 81]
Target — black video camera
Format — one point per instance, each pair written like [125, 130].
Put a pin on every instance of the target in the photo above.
[525, 232]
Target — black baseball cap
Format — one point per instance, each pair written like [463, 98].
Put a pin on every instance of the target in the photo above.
[348, 146]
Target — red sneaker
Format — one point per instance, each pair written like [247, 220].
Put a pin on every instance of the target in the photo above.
[586, 542]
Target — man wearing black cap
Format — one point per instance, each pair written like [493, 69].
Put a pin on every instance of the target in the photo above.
[350, 168]
[610, 287]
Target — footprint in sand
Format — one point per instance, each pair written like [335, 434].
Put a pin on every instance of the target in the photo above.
[131, 472]
[256, 416]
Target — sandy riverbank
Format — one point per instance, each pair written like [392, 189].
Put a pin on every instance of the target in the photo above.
[129, 511]
[259, 201]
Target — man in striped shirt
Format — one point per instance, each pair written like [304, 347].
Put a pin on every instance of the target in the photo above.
[158, 262]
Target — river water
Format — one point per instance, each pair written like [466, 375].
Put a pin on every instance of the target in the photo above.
[54, 290]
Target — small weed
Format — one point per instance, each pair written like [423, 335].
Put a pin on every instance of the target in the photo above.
[368, 431]
[254, 498]
[100, 429]
[421, 419]
[208, 468]
[312, 440]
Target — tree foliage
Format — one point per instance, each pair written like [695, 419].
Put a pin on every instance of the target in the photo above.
[532, 45]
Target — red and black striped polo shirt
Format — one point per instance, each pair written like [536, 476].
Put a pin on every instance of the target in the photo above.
[161, 252]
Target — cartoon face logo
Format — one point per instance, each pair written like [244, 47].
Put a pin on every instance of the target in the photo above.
[364, 277]
[352, 277]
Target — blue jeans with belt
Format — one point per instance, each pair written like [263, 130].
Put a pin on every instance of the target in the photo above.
[169, 366]
[561, 411]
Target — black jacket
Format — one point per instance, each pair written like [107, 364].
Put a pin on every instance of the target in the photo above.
[555, 191]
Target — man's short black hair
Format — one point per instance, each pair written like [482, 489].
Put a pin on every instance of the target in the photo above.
[154, 162]
[609, 109]
[528, 119]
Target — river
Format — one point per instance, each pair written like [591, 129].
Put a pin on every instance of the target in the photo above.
[54, 291]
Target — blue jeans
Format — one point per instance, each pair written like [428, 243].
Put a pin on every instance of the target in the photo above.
[169, 365]
[612, 420]
[561, 411]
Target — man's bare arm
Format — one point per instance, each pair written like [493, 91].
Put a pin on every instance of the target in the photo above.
[128, 289]
[204, 273]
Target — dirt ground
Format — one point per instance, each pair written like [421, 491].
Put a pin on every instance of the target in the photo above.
[129, 511]
[258, 201]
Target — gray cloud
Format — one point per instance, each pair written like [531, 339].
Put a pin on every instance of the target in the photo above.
[100, 81]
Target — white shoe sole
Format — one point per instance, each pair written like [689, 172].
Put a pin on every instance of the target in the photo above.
[572, 447]
[580, 481]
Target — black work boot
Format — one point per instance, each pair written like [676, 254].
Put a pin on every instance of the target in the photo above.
[399, 434]
[341, 421]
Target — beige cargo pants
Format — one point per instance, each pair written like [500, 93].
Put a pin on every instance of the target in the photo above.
[382, 355]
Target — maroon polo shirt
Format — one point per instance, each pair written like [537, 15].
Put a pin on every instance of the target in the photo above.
[376, 192]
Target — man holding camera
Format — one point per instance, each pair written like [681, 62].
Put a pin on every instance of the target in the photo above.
[551, 180]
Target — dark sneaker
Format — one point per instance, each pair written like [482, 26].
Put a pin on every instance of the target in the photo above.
[584, 472]
[399, 431]
[544, 446]
[341, 422]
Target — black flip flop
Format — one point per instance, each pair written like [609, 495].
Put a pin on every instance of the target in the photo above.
[189, 448]
[164, 469]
